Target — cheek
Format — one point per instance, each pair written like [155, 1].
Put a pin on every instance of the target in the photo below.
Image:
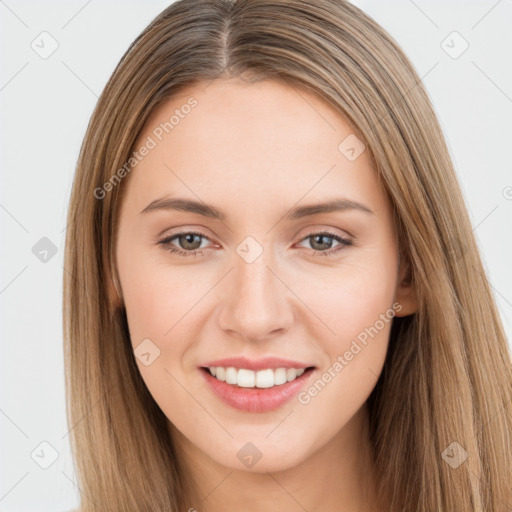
[354, 305]
[164, 303]
[351, 297]
[357, 308]
[151, 290]
[359, 322]
[156, 299]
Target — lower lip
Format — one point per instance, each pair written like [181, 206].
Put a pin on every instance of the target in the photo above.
[256, 399]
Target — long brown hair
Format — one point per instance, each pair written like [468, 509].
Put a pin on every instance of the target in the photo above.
[446, 388]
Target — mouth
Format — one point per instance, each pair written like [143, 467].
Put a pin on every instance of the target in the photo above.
[256, 391]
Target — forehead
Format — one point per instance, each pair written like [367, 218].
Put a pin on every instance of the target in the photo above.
[252, 102]
[256, 140]
[232, 116]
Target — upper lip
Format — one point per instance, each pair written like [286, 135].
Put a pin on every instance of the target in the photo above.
[257, 364]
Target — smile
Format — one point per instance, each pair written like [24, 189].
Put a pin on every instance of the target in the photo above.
[256, 391]
[245, 378]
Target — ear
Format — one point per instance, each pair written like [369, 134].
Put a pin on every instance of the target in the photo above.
[405, 293]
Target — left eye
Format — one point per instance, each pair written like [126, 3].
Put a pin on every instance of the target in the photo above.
[191, 243]
[319, 239]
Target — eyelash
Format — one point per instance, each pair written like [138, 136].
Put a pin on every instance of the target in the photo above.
[166, 243]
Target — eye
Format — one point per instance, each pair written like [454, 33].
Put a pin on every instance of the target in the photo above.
[189, 240]
[323, 238]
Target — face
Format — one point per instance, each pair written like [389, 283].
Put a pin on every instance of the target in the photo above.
[221, 255]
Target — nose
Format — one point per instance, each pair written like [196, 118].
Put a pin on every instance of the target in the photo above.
[256, 304]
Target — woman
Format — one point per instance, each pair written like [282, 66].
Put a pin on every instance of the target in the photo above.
[218, 354]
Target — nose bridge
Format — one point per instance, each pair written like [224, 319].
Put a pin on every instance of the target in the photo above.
[253, 281]
[255, 301]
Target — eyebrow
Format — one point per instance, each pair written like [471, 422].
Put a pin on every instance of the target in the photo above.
[191, 206]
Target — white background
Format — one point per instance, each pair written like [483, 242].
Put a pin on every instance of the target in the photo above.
[45, 105]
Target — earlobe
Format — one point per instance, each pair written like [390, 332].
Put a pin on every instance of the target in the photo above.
[405, 292]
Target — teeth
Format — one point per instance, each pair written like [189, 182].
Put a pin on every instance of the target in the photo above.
[245, 378]
[231, 375]
[220, 373]
[291, 373]
[261, 379]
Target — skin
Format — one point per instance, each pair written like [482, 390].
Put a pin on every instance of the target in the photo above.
[254, 151]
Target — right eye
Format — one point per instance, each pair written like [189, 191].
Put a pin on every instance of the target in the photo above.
[185, 238]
